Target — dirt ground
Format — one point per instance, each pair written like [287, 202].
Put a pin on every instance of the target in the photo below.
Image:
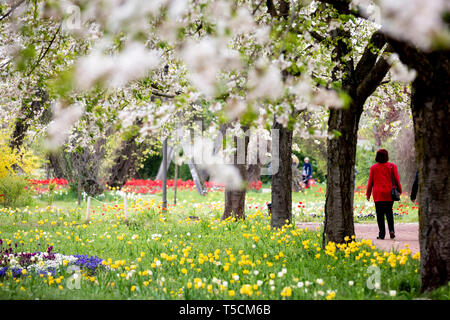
[405, 233]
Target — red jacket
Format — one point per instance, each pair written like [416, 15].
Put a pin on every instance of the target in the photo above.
[380, 180]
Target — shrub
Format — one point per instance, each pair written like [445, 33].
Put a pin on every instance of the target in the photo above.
[14, 190]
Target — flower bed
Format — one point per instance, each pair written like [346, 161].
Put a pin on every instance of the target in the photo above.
[16, 264]
[155, 186]
[43, 186]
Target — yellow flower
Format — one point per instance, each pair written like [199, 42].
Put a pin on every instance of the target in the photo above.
[331, 295]
[246, 289]
[184, 271]
[133, 288]
[286, 292]
[231, 293]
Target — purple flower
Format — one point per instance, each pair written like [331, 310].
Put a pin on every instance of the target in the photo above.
[3, 271]
[88, 262]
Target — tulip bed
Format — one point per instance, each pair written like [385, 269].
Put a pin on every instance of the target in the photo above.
[187, 252]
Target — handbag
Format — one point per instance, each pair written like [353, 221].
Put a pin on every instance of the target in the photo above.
[395, 195]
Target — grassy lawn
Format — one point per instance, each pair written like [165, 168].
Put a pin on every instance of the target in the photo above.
[186, 252]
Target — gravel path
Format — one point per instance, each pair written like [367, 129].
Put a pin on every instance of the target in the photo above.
[406, 233]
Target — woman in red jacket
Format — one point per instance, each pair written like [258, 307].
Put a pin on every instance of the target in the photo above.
[380, 181]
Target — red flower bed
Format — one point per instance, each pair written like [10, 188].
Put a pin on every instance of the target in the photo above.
[155, 186]
[41, 186]
[58, 182]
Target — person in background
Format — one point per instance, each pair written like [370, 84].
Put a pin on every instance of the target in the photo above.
[415, 187]
[306, 172]
[381, 183]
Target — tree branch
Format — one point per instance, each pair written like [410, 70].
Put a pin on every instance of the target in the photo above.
[412, 57]
[373, 79]
[257, 7]
[369, 58]
[284, 8]
[46, 50]
[14, 7]
[271, 9]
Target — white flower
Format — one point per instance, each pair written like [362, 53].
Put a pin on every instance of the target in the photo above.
[392, 293]
[307, 283]
[225, 284]
[300, 284]
[350, 283]
[272, 288]
[265, 83]
[284, 270]
[377, 285]
[235, 108]
[130, 64]
[416, 21]
[236, 277]
[320, 292]
[158, 263]
[328, 98]
[319, 281]
[255, 272]
[399, 71]
[280, 274]
[63, 120]
[259, 283]
[271, 282]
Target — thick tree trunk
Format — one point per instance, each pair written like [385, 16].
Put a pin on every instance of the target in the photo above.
[235, 198]
[282, 180]
[79, 191]
[341, 156]
[175, 185]
[430, 108]
[359, 83]
[253, 173]
[125, 164]
[59, 165]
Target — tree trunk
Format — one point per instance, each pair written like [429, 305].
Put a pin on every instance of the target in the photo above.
[125, 164]
[175, 185]
[59, 165]
[341, 156]
[282, 179]
[164, 175]
[235, 198]
[359, 83]
[79, 191]
[253, 172]
[430, 109]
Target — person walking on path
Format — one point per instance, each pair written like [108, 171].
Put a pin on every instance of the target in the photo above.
[382, 178]
[307, 172]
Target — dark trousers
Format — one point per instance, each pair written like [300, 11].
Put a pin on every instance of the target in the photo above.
[384, 208]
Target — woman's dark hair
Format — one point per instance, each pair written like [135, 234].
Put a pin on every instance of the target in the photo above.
[382, 156]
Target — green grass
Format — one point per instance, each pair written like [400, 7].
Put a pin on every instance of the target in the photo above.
[220, 251]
